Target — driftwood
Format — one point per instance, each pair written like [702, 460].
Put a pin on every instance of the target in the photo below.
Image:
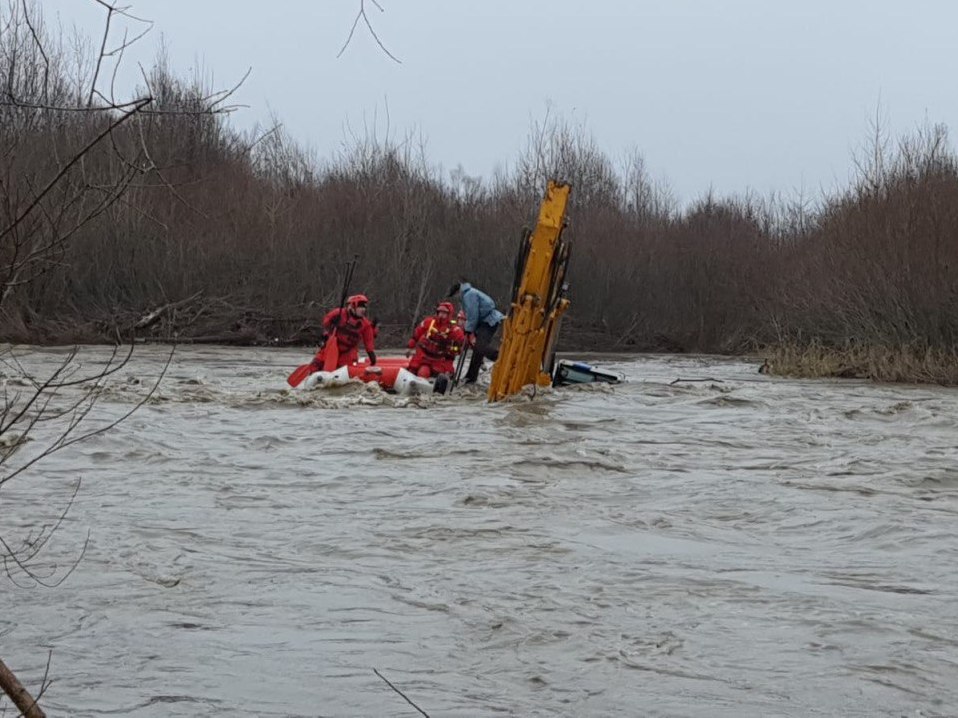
[21, 698]
[154, 316]
[247, 337]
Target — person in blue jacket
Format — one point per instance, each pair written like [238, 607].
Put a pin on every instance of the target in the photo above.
[482, 323]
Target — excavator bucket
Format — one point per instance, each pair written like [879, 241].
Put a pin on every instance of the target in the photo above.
[530, 330]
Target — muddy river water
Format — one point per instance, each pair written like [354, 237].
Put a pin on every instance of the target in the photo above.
[728, 544]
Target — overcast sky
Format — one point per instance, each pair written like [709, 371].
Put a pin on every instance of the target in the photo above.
[767, 95]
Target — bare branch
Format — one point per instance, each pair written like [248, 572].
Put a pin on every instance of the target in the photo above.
[21, 698]
[361, 15]
[388, 683]
[100, 56]
[142, 102]
[36, 40]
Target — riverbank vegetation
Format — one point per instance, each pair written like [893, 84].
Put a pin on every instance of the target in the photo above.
[70, 153]
[240, 237]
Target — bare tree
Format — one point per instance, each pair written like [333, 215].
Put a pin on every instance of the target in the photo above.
[69, 151]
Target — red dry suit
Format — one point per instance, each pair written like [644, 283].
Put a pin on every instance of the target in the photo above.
[437, 342]
[349, 331]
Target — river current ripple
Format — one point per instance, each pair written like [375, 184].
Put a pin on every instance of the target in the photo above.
[729, 544]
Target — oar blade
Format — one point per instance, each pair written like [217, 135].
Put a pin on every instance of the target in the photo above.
[331, 353]
[299, 375]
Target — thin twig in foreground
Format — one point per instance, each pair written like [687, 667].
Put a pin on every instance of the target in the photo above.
[400, 693]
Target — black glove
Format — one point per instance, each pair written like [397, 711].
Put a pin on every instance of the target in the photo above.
[372, 358]
[334, 322]
[374, 322]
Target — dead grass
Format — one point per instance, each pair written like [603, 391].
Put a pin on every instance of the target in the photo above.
[909, 364]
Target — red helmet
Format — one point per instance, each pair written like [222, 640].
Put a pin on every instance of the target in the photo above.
[357, 300]
[445, 307]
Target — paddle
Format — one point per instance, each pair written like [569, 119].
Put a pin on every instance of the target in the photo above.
[331, 355]
[299, 375]
[459, 365]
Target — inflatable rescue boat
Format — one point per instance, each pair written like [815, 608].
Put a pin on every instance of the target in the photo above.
[389, 372]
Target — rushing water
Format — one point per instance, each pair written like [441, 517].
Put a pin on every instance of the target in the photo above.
[726, 545]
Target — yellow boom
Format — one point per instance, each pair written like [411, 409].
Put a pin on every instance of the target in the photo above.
[538, 302]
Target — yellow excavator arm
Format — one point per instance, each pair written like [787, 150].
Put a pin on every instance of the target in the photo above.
[530, 330]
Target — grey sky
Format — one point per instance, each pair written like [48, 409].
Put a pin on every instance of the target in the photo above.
[739, 94]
